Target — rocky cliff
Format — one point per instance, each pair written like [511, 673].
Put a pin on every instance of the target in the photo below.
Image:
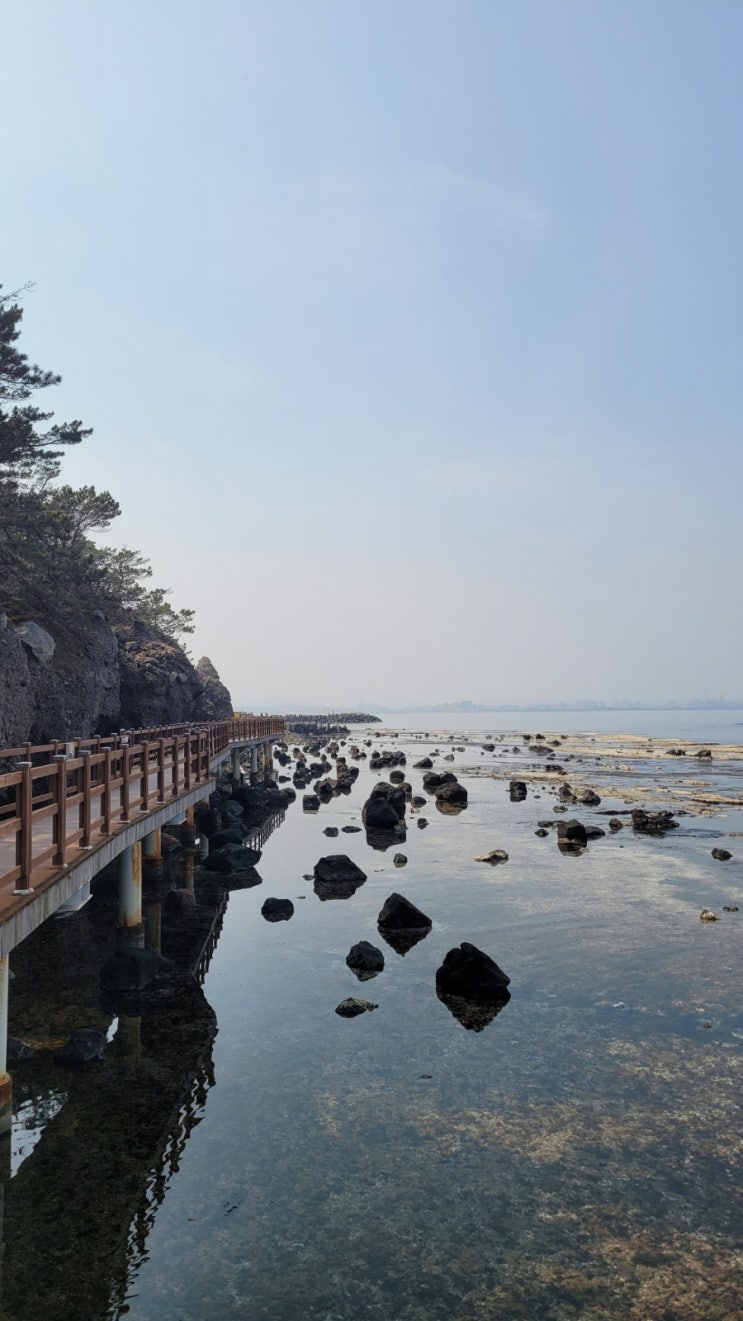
[110, 675]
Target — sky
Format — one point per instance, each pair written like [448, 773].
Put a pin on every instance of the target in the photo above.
[410, 331]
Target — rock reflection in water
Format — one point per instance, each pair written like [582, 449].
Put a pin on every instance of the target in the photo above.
[381, 840]
[570, 848]
[402, 941]
[450, 809]
[472, 1014]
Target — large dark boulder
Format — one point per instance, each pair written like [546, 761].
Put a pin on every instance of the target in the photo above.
[451, 793]
[517, 791]
[469, 973]
[572, 831]
[277, 910]
[337, 877]
[398, 914]
[433, 779]
[231, 859]
[231, 835]
[206, 821]
[365, 960]
[425, 764]
[394, 794]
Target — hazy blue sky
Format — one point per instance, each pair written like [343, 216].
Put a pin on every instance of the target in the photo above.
[410, 330]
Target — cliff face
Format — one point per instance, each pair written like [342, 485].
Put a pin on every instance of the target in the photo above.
[108, 677]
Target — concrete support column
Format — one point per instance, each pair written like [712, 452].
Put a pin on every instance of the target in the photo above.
[130, 888]
[6, 1085]
[237, 774]
[254, 760]
[152, 848]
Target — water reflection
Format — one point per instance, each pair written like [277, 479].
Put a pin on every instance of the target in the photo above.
[473, 1015]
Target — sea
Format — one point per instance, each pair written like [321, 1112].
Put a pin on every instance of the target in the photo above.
[244, 1152]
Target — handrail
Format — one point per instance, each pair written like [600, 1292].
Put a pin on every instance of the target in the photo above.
[92, 788]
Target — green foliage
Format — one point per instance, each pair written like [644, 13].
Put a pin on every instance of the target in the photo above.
[51, 569]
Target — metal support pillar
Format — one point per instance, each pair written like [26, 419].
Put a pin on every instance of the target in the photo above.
[130, 888]
[152, 846]
[6, 1084]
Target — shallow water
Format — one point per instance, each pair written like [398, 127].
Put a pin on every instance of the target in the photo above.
[578, 1157]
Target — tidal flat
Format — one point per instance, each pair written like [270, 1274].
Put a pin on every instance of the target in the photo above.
[243, 1152]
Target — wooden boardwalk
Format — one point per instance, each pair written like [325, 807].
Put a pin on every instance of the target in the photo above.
[66, 809]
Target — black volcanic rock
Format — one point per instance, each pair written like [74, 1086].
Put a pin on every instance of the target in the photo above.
[472, 975]
[365, 960]
[572, 832]
[277, 910]
[337, 877]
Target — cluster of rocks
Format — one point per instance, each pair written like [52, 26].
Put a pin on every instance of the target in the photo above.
[468, 982]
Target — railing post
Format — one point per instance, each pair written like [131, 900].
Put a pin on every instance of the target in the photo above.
[176, 767]
[125, 752]
[145, 776]
[86, 806]
[59, 858]
[24, 846]
[187, 765]
[106, 793]
[161, 770]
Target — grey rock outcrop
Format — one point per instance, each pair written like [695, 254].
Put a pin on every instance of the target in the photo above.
[216, 702]
[111, 674]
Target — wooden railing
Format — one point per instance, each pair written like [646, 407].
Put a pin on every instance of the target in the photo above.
[61, 798]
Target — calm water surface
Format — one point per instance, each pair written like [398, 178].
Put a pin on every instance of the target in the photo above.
[578, 1157]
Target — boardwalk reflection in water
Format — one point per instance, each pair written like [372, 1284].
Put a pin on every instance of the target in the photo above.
[92, 1151]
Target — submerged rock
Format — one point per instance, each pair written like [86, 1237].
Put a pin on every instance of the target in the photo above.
[351, 830]
[330, 831]
[352, 1007]
[494, 856]
[400, 860]
[18, 1050]
[517, 791]
[84, 1046]
[722, 855]
[707, 915]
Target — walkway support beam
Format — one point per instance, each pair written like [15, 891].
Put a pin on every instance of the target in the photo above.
[130, 887]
